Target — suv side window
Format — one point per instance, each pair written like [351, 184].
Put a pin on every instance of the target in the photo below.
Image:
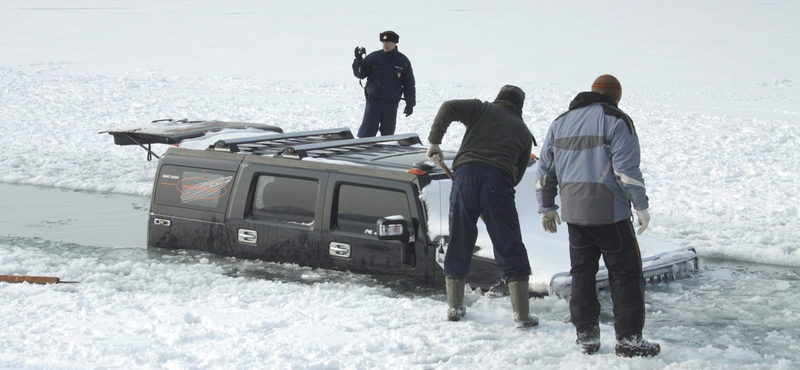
[360, 207]
[286, 199]
[194, 188]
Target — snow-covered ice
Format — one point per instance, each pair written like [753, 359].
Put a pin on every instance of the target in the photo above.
[712, 87]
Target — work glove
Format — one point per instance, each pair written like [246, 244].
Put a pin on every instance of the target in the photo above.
[360, 52]
[644, 220]
[549, 221]
[409, 110]
[435, 154]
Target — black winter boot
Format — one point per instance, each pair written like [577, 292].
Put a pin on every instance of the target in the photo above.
[634, 345]
[589, 340]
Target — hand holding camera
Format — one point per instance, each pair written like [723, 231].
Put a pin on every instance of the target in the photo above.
[360, 52]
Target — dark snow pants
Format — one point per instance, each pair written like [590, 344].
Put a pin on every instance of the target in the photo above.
[617, 244]
[379, 115]
[488, 191]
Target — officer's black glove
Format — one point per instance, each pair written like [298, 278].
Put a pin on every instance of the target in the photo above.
[360, 52]
[409, 110]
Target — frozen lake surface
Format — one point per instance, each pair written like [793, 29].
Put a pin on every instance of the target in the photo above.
[140, 307]
[713, 88]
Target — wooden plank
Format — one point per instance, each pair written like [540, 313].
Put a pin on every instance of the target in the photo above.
[29, 279]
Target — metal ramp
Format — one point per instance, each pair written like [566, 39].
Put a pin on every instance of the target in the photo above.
[172, 132]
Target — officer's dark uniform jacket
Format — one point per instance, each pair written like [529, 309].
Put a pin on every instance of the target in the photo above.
[389, 76]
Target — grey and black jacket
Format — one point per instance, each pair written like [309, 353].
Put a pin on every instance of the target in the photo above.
[591, 155]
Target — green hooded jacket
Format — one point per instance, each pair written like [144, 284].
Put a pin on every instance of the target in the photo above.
[496, 135]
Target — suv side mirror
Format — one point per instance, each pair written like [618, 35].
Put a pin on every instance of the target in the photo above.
[396, 228]
[392, 228]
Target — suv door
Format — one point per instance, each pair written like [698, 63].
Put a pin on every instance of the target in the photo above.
[190, 198]
[276, 214]
[354, 205]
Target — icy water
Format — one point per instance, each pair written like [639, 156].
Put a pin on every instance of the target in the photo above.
[730, 309]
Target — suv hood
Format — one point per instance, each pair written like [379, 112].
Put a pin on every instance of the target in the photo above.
[549, 253]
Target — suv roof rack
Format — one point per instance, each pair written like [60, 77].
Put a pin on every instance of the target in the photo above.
[302, 151]
[260, 145]
[299, 145]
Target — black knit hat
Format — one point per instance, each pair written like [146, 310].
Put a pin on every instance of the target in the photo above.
[390, 36]
[513, 94]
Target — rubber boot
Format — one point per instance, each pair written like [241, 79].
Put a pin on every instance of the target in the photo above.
[520, 303]
[455, 298]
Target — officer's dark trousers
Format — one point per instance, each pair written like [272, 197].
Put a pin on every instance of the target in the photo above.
[489, 191]
[379, 115]
[620, 251]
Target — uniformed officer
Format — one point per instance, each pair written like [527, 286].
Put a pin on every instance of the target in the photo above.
[389, 79]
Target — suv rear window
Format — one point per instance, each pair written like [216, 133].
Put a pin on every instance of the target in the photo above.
[193, 188]
[287, 199]
[360, 207]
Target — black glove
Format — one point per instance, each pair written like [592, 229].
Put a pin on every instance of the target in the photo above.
[360, 52]
[409, 110]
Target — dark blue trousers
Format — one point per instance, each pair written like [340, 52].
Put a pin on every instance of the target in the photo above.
[379, 115]
[488, 191]
[617, 244]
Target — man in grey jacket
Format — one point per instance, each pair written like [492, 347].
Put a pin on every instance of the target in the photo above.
[591, 155]
[491, 161]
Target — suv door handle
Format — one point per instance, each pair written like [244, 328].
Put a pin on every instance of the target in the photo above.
[162, 222]
[248, 236]
[339, 250]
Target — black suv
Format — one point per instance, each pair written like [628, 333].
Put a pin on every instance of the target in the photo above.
[317, 198]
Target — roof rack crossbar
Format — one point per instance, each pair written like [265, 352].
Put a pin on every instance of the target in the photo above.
[301, 151]
[341, 133]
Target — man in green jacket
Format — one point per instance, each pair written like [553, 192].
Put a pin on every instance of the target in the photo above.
[491, 161]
